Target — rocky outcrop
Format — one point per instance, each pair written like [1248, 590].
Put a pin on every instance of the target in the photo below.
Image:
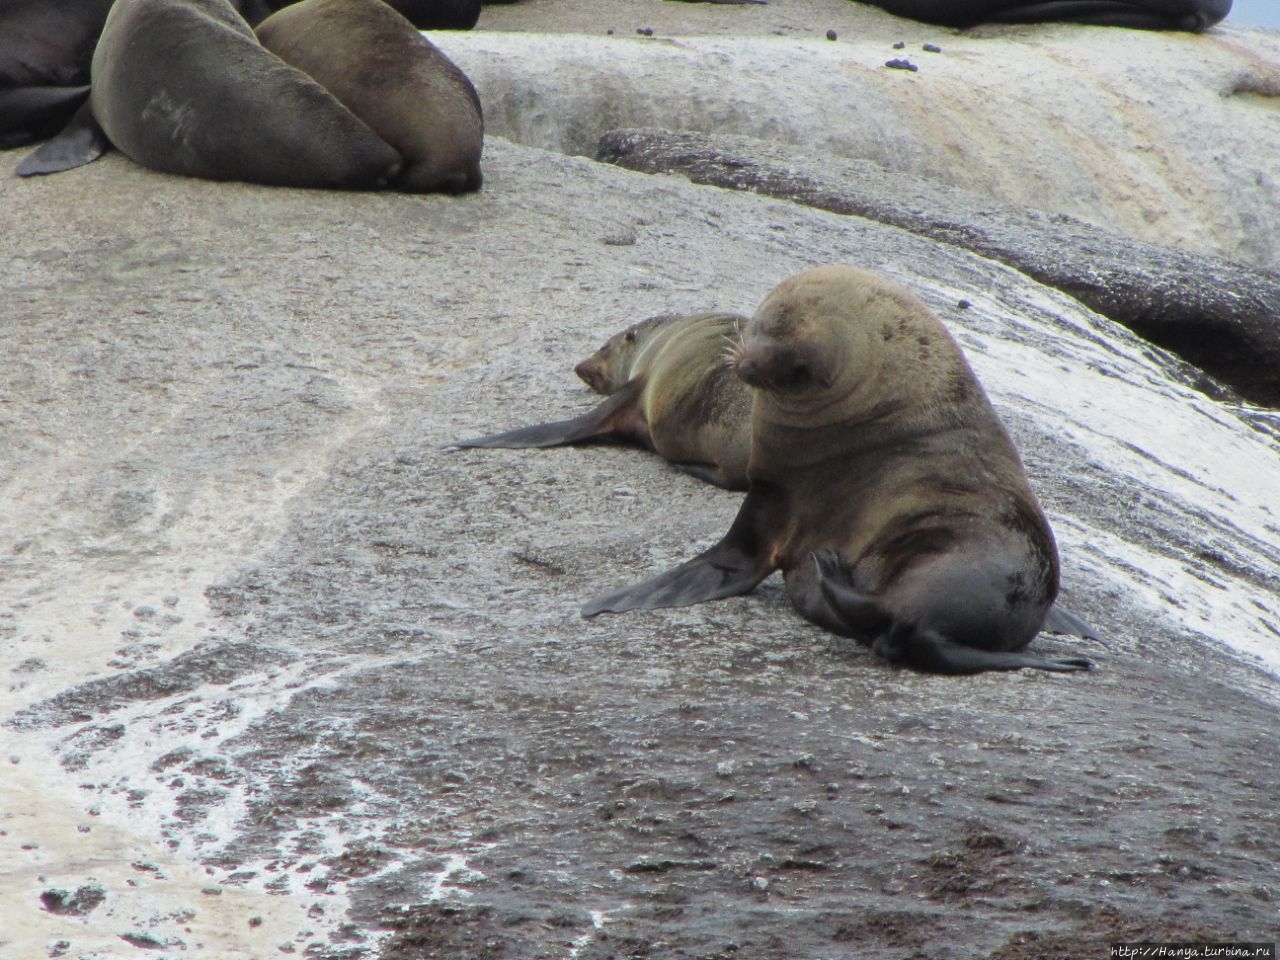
[1222, 317]
[284, 675]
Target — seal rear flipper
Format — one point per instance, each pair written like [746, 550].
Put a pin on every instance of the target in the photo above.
[28, 114]
[1062, 621]
[859, 613]
[931, 652]
[81, 141]
[733, 566]
[709, 473]
[617, 417]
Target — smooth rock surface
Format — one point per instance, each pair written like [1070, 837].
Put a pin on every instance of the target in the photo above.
[1220, 316]
[285, 676]
[1169, 138]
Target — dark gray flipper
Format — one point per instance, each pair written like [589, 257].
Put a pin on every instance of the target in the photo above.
[81, 141]
[931, 652]
[733, 566]
[615, 418]
[1062, 621]
[905, 644]
[862, 616]
[708, 473]
[28, 114]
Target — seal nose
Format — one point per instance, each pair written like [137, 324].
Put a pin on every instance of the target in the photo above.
[588, 373]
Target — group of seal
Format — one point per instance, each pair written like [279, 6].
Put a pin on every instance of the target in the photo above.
[879, 479]
[294, 105]
[1193, 15]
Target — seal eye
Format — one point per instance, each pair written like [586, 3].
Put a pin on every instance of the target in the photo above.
[629, 336]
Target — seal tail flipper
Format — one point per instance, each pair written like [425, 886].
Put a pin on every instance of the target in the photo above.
[733, 566]
[861, 615]
[1058, 620]
[617, 417]
[33, 113]
[931, 652]
[81, 141]
[903, 643]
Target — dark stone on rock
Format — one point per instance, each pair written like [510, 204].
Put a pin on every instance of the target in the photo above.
[898, 64]
[1220, 316]
[75, 903]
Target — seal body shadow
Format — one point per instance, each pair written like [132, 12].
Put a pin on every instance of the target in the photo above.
[669, 390]
[377, 64]
[184, 87]
[881, 484]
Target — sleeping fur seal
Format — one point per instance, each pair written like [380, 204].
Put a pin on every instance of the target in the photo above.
[184, 87]
[1194, 15]
[881, 484]
[669, 390]
[377, 64]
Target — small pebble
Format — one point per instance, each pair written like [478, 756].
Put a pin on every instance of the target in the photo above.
[900, 45]
[932, 48]
[831, 35]
[901, 65]
[645, 31]
[964, 305]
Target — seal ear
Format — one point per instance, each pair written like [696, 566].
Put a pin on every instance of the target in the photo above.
[617, 417]
[81, 141]
[733, 566]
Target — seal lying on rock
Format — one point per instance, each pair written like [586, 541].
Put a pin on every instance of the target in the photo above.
[384, 71]
[881, 484]
[226, 109]
[669, 390]
[45, 49]
[1192, 15]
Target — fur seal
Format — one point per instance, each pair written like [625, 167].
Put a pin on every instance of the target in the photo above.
[377, 64]
[45, 49]
[668, 390]
[226, 109]
[881, 484]
[1193, 15]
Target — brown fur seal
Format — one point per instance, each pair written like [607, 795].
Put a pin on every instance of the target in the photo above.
[225, 109]
[385, 72]
[881, 484]
[670, 391]
[610, 367]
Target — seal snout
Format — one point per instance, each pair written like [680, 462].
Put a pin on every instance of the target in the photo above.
[591, 374]
[768, 365]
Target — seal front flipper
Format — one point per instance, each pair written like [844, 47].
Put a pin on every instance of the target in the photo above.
[616, 418]
[81, 141]
[1062, 621]
[733, 566]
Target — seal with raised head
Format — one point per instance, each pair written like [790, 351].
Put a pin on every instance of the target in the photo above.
[881, 484]
[223, 108]
[1193, 15]
[669, 390]
[390, 76]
